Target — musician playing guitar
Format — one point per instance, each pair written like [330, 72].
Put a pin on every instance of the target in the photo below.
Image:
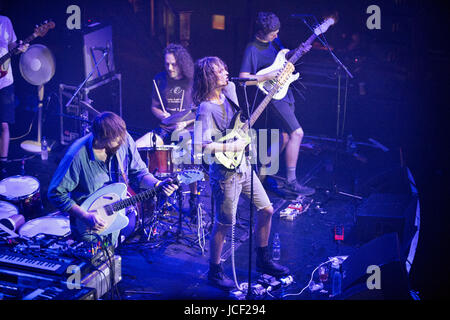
[7, 108]
[92, 162]
[217, 104]
[259, 54]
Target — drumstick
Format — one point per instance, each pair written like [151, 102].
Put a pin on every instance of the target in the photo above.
[181, 104]
[159, 96]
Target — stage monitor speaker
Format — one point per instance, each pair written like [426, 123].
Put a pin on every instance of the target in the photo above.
[383, 252]
[82, 49]
[383, 213]
[96, 44]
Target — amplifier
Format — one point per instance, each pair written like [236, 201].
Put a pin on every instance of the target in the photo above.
[101, 279]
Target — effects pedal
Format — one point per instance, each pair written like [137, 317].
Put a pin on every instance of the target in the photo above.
[273, 283]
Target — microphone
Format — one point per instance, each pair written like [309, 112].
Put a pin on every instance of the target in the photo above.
[242, 79]
[301, 15]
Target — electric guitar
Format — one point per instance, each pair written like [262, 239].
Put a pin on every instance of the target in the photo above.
[110, 202]
[284, 57]
[232, 160]
[38, 32]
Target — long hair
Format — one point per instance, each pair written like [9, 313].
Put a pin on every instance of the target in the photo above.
[205, 79]
[265, 23]
[183, 59]
[107, 126]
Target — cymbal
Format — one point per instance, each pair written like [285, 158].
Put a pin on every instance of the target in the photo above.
[178, 117]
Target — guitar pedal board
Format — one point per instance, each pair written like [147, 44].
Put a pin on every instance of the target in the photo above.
[40, 268]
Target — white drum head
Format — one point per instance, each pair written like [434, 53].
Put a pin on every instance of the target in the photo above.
[146, 141]
[56, 226]
[17, 187]
[7, 210]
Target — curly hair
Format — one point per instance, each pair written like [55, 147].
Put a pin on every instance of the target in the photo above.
[205, 79]
[265, 23]
[183, 59]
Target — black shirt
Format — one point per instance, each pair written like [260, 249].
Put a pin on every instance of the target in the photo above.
[172, 92]
[259, 55]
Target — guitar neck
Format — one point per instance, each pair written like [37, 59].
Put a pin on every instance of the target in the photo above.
[15, 50]
[259, 110]
[296, 54]
[145, 195]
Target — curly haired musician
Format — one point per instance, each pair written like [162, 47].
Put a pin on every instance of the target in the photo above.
[92, 162]
[259, 54]
[173, 88]
[217, 103]
[7, 113]
[172, 95]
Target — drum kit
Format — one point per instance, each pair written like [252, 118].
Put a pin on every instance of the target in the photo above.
[164, 161]
[21, 209]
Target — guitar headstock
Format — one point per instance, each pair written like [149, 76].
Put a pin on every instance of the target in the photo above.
[323, 27]
[189, 176]
[42, 30]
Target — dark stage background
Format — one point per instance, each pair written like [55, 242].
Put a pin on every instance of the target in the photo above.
[394, 98]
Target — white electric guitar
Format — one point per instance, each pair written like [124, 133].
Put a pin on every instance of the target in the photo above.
[285, 56]
[110, 202]
[278, 86]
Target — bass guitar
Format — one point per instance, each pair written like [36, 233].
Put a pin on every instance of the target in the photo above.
[240, 126]
[38, 32]
[284, 57]
[110, 202]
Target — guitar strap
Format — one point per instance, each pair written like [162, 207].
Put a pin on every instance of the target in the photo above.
[121, 170]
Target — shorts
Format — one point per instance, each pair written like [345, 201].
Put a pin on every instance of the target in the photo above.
[7, 106]
[285, 113]
[226, 195]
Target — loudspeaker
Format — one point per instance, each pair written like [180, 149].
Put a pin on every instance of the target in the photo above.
[383, 213]
[82, 49]
[383, 252]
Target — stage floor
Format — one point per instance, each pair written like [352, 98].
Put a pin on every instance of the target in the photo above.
[168, 266]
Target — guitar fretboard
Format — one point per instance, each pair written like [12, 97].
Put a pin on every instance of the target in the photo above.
[122, 204]
[16, 49]
[298, 53]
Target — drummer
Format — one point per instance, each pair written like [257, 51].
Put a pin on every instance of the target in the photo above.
[172, 89]
[172, 99]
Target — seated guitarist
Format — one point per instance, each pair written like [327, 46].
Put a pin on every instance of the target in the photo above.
[217, 102]
[260, 54]
[92, 162]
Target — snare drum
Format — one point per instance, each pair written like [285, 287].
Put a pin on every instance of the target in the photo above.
[24, 193]
[159, 160]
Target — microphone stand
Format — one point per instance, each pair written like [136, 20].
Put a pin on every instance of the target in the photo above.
[105, 53]
[250, 245]
[340, 67]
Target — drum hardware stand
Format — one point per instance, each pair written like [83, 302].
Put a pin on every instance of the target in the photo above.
[180, 234]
